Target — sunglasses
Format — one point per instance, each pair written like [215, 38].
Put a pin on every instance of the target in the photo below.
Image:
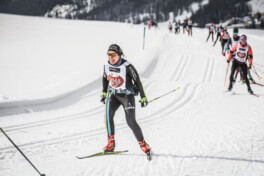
[111, 54]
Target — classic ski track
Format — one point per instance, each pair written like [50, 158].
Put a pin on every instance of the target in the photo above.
[19, 107]
[183, 63]
[210, 65]
[86, 114]
[211, 73]
[207, 78]
[91, 133]
[176, 71]
[184, 101]
[180, 68]
[188, 59]
[142, 120]
[79, 115]
[54, 120]
[181, 101]
[86, 91]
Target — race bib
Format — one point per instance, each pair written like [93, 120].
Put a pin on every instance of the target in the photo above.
[115, 82]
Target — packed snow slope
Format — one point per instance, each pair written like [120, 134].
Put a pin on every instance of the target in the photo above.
[50, 86]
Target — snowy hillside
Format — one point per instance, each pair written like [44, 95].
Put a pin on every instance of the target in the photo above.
[257, 6]
[50, 87]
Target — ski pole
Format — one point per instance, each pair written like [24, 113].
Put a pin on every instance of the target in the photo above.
[163, 95]
[255, 71]
[20, 151]
[144, 35]
[226, 73]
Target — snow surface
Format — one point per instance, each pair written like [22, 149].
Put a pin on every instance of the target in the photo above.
[257, 6]
[50, 84]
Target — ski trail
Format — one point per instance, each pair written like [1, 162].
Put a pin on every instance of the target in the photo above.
[176, 71]
[87, 115]
[210, 65]
[57, 102]
[91, 133]
[39, 123]
[179, 71]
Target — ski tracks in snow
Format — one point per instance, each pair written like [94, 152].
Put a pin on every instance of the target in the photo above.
[167, 69]
[185, 95]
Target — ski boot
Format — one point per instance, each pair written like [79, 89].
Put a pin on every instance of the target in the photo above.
[145, 148]
[230, 88]
[250, 91]
[111, 144]
[252, 80]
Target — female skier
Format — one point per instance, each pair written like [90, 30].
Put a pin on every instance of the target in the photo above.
[224, 38]
[211, 31]
[121, 83]
[243, 51]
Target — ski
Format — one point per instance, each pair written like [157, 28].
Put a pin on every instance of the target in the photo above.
[233, 93]
[258, 84]
[101, 154]
[255, 95]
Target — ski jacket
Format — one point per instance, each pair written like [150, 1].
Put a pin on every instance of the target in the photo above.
[211, 28]
[243, 52]
[177, 25]
[225, 36]
[220, 29]
[232, 42]
[190, 23]
[121, 77]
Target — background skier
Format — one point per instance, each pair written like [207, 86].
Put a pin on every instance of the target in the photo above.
[211, 31]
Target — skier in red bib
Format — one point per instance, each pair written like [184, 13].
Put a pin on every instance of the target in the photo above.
[232, 41]
[121, 83]
[224, 38]
[219, 32]
[211, 31]
[190, 24]
[243, 52]
[170, 27]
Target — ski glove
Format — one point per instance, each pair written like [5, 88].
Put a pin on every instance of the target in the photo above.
[144, 102]
[249, 66]
[228, 60]
[103, 97]
[223, 53]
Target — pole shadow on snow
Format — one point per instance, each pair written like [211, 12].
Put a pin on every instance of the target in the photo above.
[155, 155]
